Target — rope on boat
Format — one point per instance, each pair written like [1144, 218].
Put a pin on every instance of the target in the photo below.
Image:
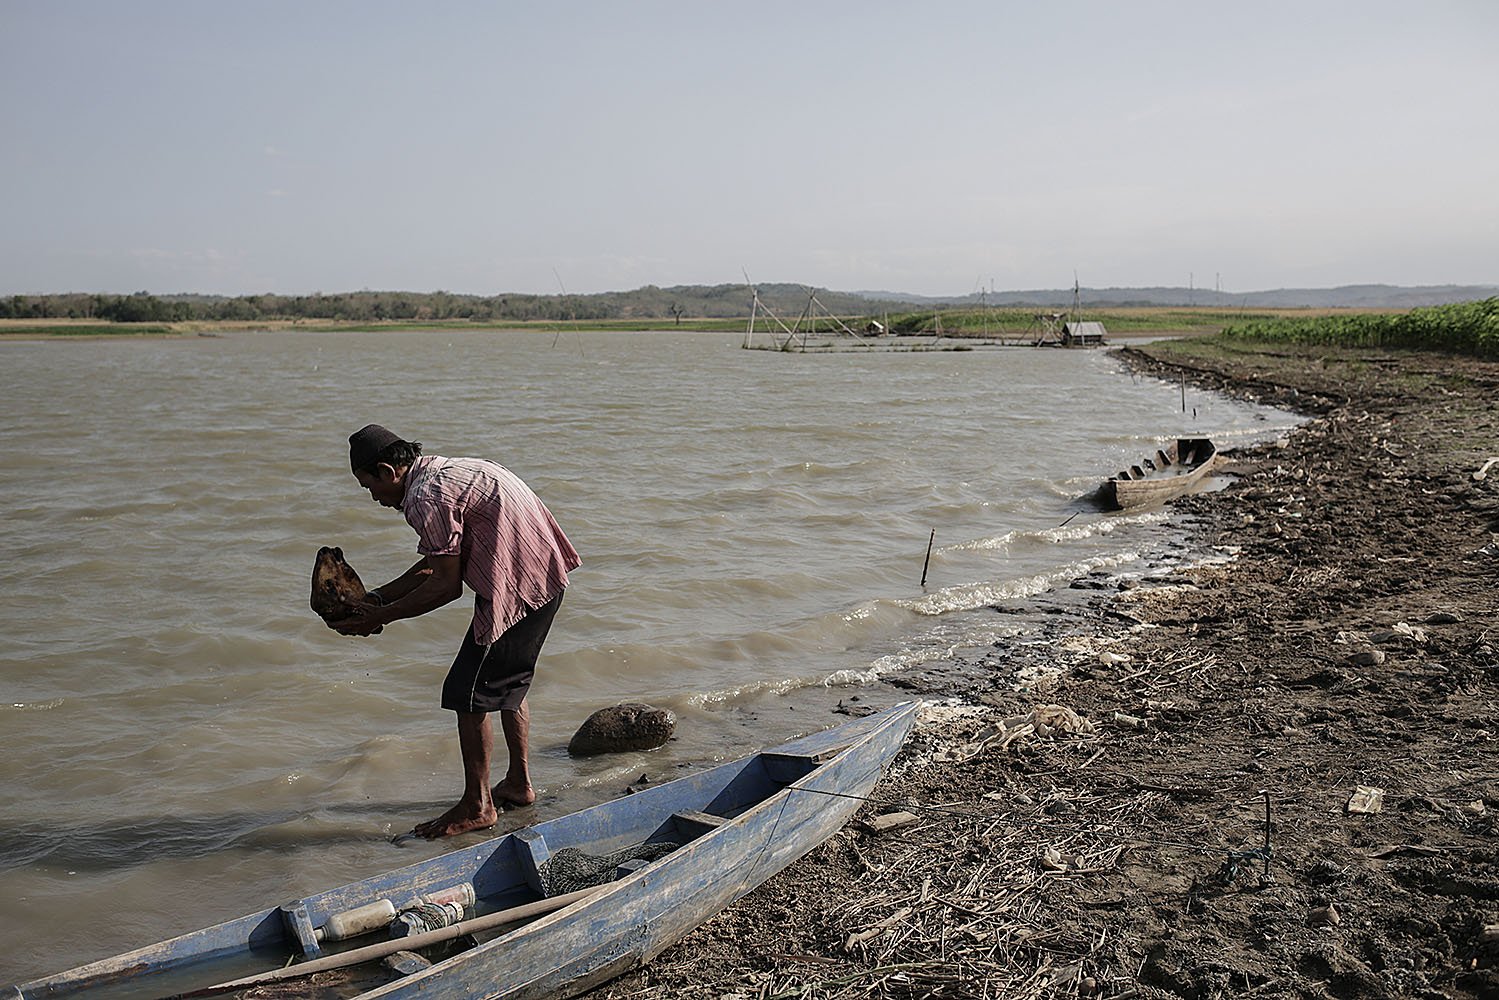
[776, 826]
[423, 917]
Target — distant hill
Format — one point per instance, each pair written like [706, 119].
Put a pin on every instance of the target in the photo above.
[1344, 296]
[728, 301]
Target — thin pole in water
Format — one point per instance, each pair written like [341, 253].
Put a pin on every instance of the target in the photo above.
[1267, 832]
[928, 562]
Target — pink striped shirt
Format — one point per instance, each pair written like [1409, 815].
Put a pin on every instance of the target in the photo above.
[512, 553]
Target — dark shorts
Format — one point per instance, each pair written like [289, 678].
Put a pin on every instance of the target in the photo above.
[496, 677]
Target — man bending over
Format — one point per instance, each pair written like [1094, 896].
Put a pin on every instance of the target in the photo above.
[478, 524]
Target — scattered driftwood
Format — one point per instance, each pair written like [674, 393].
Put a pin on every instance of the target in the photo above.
[1045, 721]
[890, 821]
[921, 926]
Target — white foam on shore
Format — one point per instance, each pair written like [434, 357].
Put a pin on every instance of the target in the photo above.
[892, 664]
[1267, 430]
[746, 692]
[1061, 533]
[996, 543]
[1153, 593]
[939, 711]
[936, 646]
[968, 597]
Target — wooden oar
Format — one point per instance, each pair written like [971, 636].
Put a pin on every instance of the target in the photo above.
[371, 952]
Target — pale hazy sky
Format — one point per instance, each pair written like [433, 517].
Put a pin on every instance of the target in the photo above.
[929, 147]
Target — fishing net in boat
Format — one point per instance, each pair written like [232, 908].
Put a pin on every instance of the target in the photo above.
[336, 984]
[571, 869]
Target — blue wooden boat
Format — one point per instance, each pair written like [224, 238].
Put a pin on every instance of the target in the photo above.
[667, 858]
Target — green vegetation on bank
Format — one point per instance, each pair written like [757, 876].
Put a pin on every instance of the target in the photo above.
[661, 305]
[1464, 328]
[86, 329]
[695, 325]
[1009, 313]
[1011, 323]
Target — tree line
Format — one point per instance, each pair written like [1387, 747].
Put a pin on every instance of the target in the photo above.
[649, 302]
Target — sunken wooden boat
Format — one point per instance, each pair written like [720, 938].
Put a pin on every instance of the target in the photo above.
[1173, 471]
[557, 908]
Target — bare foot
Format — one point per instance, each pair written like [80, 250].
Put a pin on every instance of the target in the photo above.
[462, 818]
[512, 796]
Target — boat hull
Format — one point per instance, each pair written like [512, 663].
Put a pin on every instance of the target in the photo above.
[638, 918]
[764, 812]
[1174, 471]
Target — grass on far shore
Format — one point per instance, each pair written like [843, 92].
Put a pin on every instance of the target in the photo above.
[1120, 322]
[23, 328]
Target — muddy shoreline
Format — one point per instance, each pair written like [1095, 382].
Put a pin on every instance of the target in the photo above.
[1347, 641]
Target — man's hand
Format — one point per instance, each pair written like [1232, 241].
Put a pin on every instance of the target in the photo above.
[368, 619]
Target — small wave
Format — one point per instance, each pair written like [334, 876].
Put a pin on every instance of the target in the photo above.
[891, 664]
[996, 543]
[313, 831]
[35, 706]
[935, 647]
[748, 692]
[612, 777]
[942, 641]
[1265, 430]
[820, 470]
[1102, 526]
[967, 597]
[1070, 487]
[1061, 533]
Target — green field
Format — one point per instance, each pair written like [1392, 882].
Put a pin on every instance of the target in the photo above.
[33, 329]
[1021, 322]
[1465, 328]
[73, 328]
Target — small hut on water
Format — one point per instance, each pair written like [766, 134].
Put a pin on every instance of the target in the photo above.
[1089, 334]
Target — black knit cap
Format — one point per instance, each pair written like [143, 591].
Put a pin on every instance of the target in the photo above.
[366, 444]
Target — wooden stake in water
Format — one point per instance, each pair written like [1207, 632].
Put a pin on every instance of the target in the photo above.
[1184, 392]
[1267, 833]
[928, 562]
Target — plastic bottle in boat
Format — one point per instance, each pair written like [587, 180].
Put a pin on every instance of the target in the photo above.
[360, 920]
[462, 894]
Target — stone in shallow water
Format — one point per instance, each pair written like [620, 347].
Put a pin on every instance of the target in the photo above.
[622, 728]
